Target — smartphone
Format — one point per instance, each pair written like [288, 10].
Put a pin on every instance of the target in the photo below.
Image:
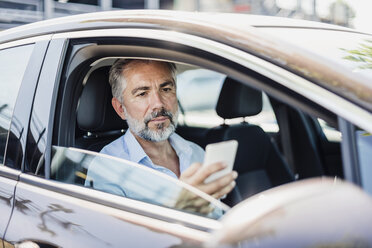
[220, 152]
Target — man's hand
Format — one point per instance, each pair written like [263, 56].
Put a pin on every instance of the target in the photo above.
[196, 174]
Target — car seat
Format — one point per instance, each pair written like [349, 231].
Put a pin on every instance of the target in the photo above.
[95, 115]
[258, 161]
[306, 143]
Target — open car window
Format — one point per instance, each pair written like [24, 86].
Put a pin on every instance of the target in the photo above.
[198, 91]
[276, 140]
[128, 179]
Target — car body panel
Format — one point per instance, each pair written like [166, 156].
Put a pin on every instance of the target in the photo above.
[7, 187]
[47, 217]
[306, 213]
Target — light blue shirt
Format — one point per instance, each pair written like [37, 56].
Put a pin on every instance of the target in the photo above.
[127, 147]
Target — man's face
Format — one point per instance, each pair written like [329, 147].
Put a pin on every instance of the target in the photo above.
[150, 100]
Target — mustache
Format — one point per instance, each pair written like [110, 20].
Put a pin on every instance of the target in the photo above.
[155, 114]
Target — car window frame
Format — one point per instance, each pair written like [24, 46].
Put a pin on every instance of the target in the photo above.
[91, 37]
[350, 161]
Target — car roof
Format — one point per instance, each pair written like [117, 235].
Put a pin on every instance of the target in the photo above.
[156, 19]
[239, 31]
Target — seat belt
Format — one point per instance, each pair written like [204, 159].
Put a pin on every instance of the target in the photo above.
[285, 137]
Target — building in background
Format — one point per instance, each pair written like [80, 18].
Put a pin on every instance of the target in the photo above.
[18, 12]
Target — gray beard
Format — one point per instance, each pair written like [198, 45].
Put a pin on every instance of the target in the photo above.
[161, 133]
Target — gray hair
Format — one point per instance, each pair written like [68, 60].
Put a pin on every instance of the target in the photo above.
[116, 76]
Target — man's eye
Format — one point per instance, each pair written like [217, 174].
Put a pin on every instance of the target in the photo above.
[142, 94]
[167, 89]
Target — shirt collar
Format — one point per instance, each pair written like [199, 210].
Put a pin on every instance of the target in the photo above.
[179, 145]
[135, 150]
[137, 154]
[183, 150]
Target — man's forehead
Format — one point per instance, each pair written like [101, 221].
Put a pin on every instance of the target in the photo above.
[147, 72]
[138, 64]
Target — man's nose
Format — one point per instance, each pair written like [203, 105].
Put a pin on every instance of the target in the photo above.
[156, 100]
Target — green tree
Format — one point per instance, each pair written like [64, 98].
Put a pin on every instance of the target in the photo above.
[362, 55]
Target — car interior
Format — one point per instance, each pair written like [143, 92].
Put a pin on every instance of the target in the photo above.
[265, 159]
[261, 161]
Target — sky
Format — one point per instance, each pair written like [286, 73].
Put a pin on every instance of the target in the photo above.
[363, 11]
[362, 8]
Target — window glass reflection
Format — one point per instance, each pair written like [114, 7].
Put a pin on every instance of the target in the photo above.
[125, 178]
[13, 63]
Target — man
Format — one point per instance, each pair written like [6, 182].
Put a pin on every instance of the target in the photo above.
[144, 94]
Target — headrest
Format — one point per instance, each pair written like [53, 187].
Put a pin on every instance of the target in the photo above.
[238, 100]
[95, 112]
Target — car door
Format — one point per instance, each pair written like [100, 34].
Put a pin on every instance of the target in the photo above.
[51, 211]
[20, 63]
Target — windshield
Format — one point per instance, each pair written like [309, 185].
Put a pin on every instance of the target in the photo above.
[351, 50]
[128, 179]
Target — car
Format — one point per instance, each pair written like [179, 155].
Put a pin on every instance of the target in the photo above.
[295, 94]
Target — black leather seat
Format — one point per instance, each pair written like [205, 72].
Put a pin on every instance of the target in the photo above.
[95, 115]
[258, 161]
[305, 142]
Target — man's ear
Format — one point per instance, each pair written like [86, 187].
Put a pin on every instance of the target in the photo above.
[118, 107]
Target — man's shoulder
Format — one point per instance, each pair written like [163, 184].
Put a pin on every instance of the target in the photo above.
[115, 148]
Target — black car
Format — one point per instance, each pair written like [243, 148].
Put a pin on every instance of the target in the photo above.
[296, 95]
